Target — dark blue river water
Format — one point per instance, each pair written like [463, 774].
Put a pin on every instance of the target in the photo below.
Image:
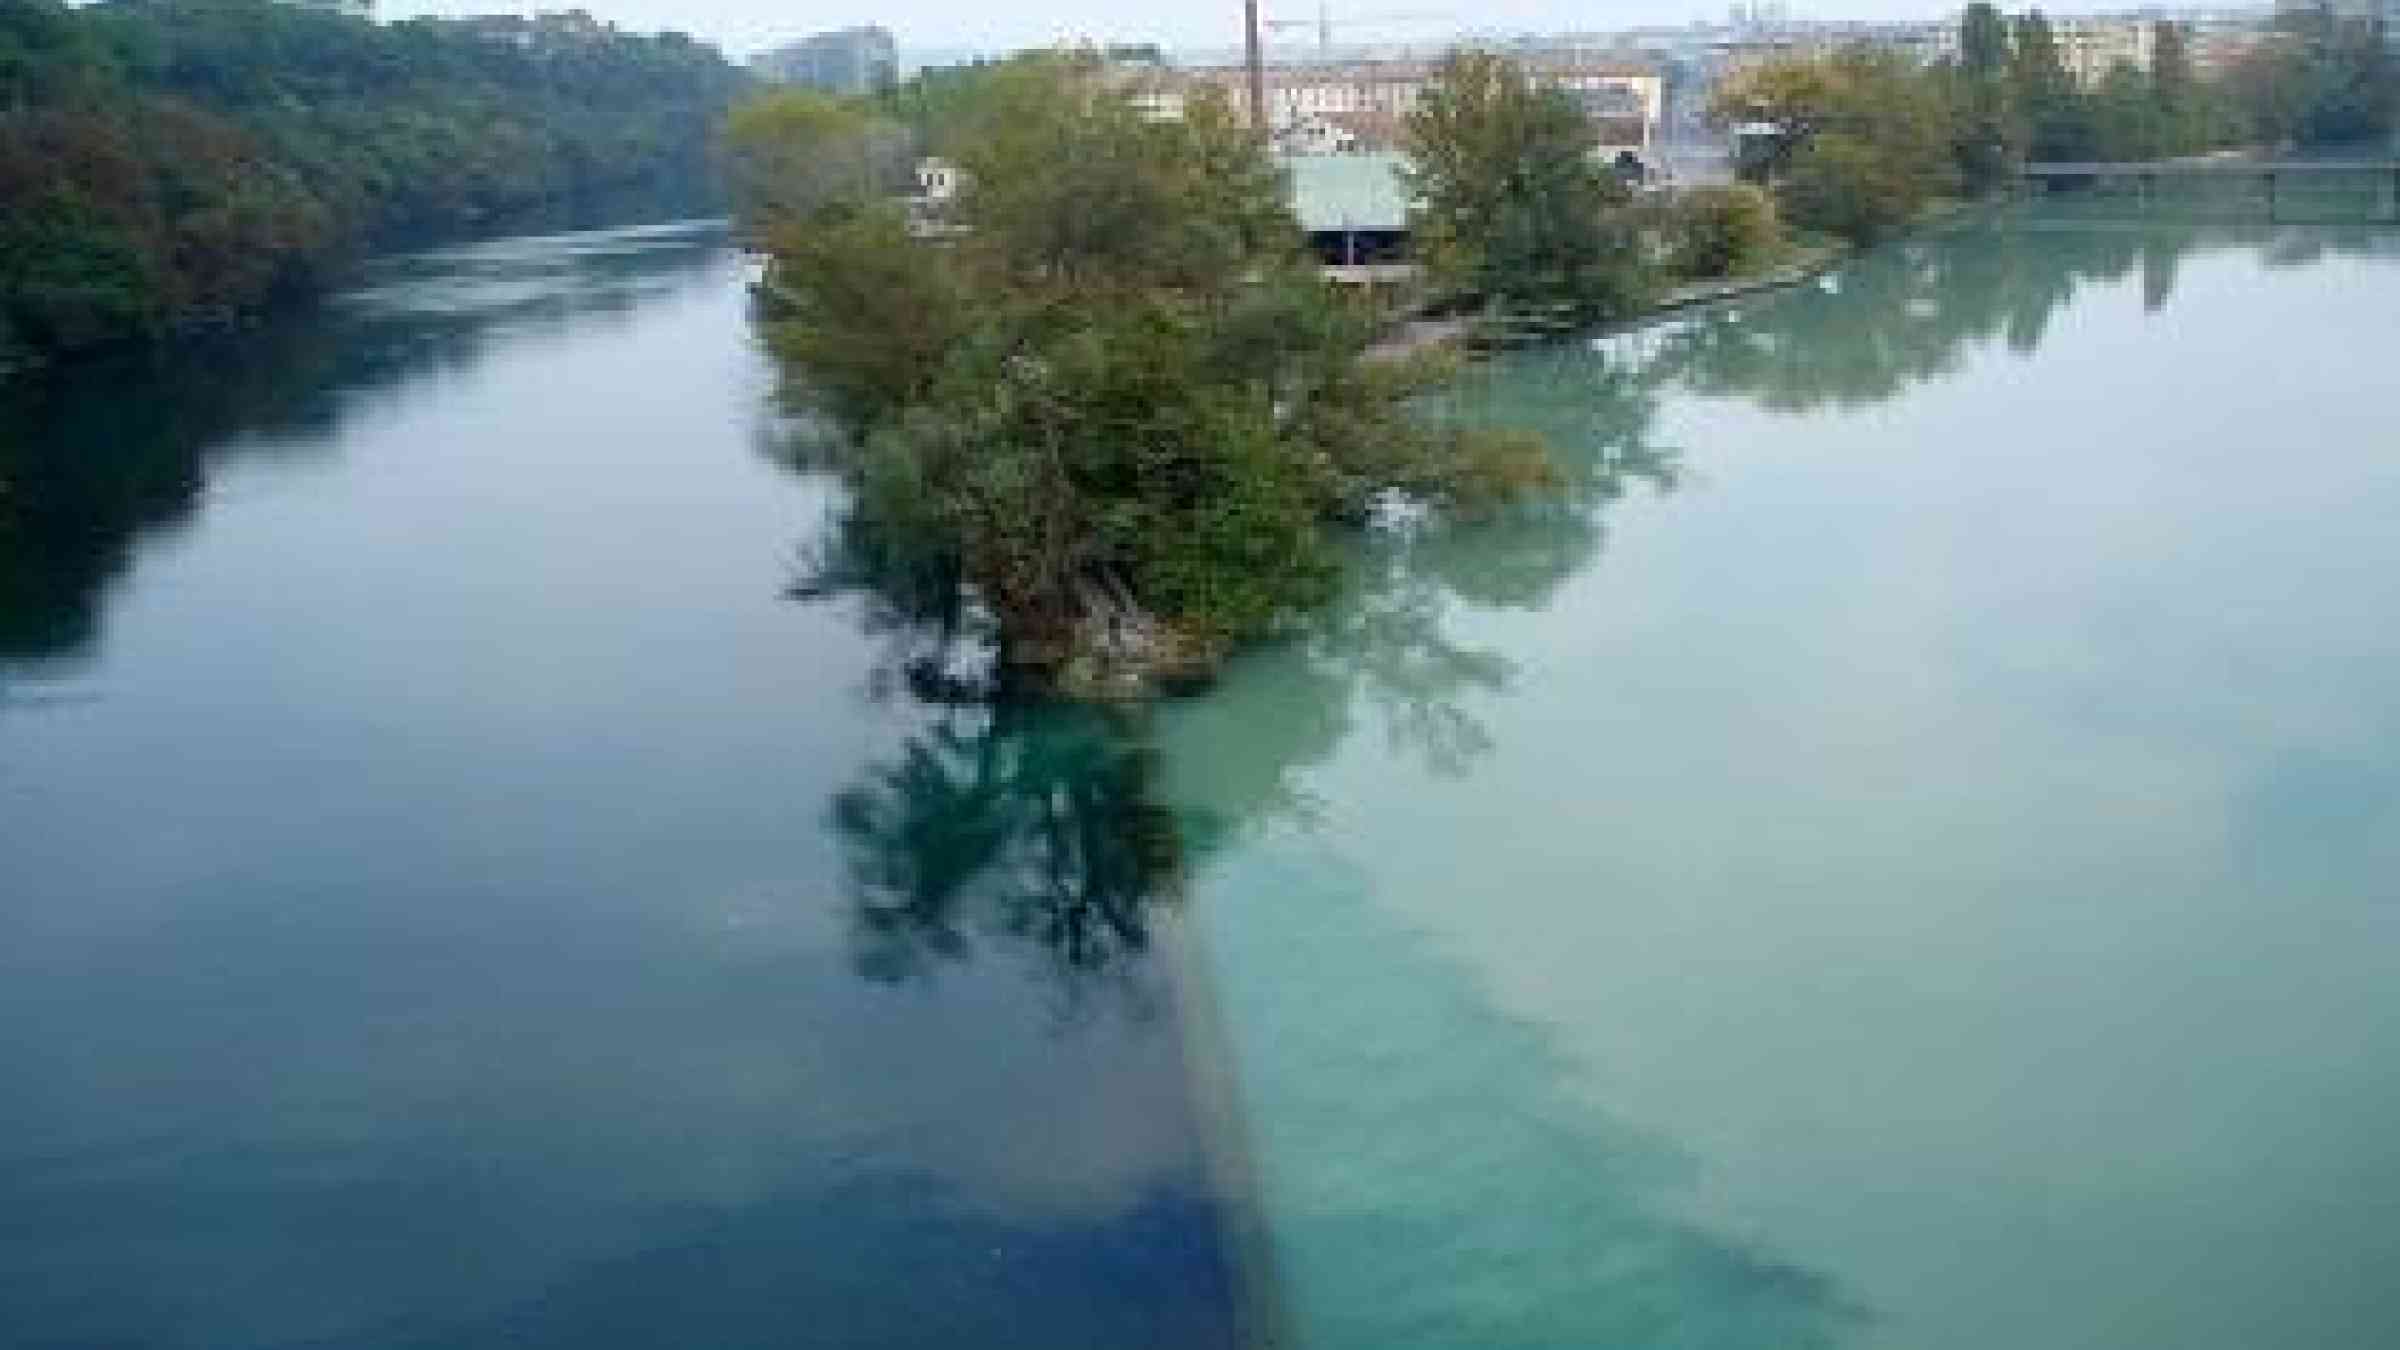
[424, 917]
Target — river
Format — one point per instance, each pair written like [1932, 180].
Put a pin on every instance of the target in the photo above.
[432, 913]
[1899, 853]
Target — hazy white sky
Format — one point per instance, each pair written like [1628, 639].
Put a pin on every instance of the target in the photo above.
[743, 26]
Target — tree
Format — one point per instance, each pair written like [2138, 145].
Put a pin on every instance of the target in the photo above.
[2034, 65]
[166, 165]
[1119, 411]
[1989, 136]
[1721, 231]
[2174, 90]
[2058, 124]
[1514, 209]
[2125, 118]
[2352, 95]
[1863, 139]
[789, 154]
[2323, 82]
[1983, 44]
[1796, 98]
[1071, 188]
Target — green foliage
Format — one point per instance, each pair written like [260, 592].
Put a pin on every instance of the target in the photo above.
[2125, 119]
[75, 277]
[1856, 133]
[1117, 407]
[790, 154]
[166, 164]
[1073, 189]
[1514, 208]
[2323, 82]
[2175, 90]
[2060, 119]
[941, 104]
[1721, 231]
[1864, 140]
[1844, 185]
[2045, 93]
[2009, 98]
[864, 316]
[1987, 136]
[1983, 43]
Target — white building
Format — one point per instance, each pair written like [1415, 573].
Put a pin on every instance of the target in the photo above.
[2385, 12]
[1314, 134]
[938, 180]
[1368, 99]
[2090, 48]
[1157, 103]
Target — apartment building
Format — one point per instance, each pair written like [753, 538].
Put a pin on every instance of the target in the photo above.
[2383, 12]
[2090, 48]
[846, 61]
[2218, 45]
[1361, 104]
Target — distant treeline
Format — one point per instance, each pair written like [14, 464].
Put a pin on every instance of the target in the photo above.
[170, 165]
[1856, 143]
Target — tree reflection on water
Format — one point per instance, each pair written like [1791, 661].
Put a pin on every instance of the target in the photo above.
[1909, 312]
[97, 457]
[1038, 827]
[1026, 825]
[1011, 822]
[1047, 833]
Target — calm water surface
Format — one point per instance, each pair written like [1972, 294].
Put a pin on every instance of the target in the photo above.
[1910, 857]
[1900, 855]
[449, 896]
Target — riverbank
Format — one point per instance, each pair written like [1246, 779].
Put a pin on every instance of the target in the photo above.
[1803, 264]
[280, 144]
[240, 328]
[1416, 334]
[1806, 264]
[1799, 264]
[1120, 653]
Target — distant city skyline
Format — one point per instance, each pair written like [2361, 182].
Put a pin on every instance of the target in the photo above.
[743, 27]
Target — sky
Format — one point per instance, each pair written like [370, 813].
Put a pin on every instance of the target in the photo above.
[744, 26]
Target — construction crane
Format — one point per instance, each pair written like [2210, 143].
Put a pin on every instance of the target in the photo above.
[1324, 22]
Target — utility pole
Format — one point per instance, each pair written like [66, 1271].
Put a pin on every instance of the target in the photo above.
[1258, 74]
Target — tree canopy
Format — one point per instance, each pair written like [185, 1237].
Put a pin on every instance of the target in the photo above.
[2323, 81]
[1112, 406]
[166, 163]
[1861, 140]
[1514, 209]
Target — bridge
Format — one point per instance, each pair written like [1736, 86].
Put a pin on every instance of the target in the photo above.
[2267, 172]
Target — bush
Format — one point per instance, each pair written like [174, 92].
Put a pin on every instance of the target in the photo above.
[1721, 231]
[1842, 185]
